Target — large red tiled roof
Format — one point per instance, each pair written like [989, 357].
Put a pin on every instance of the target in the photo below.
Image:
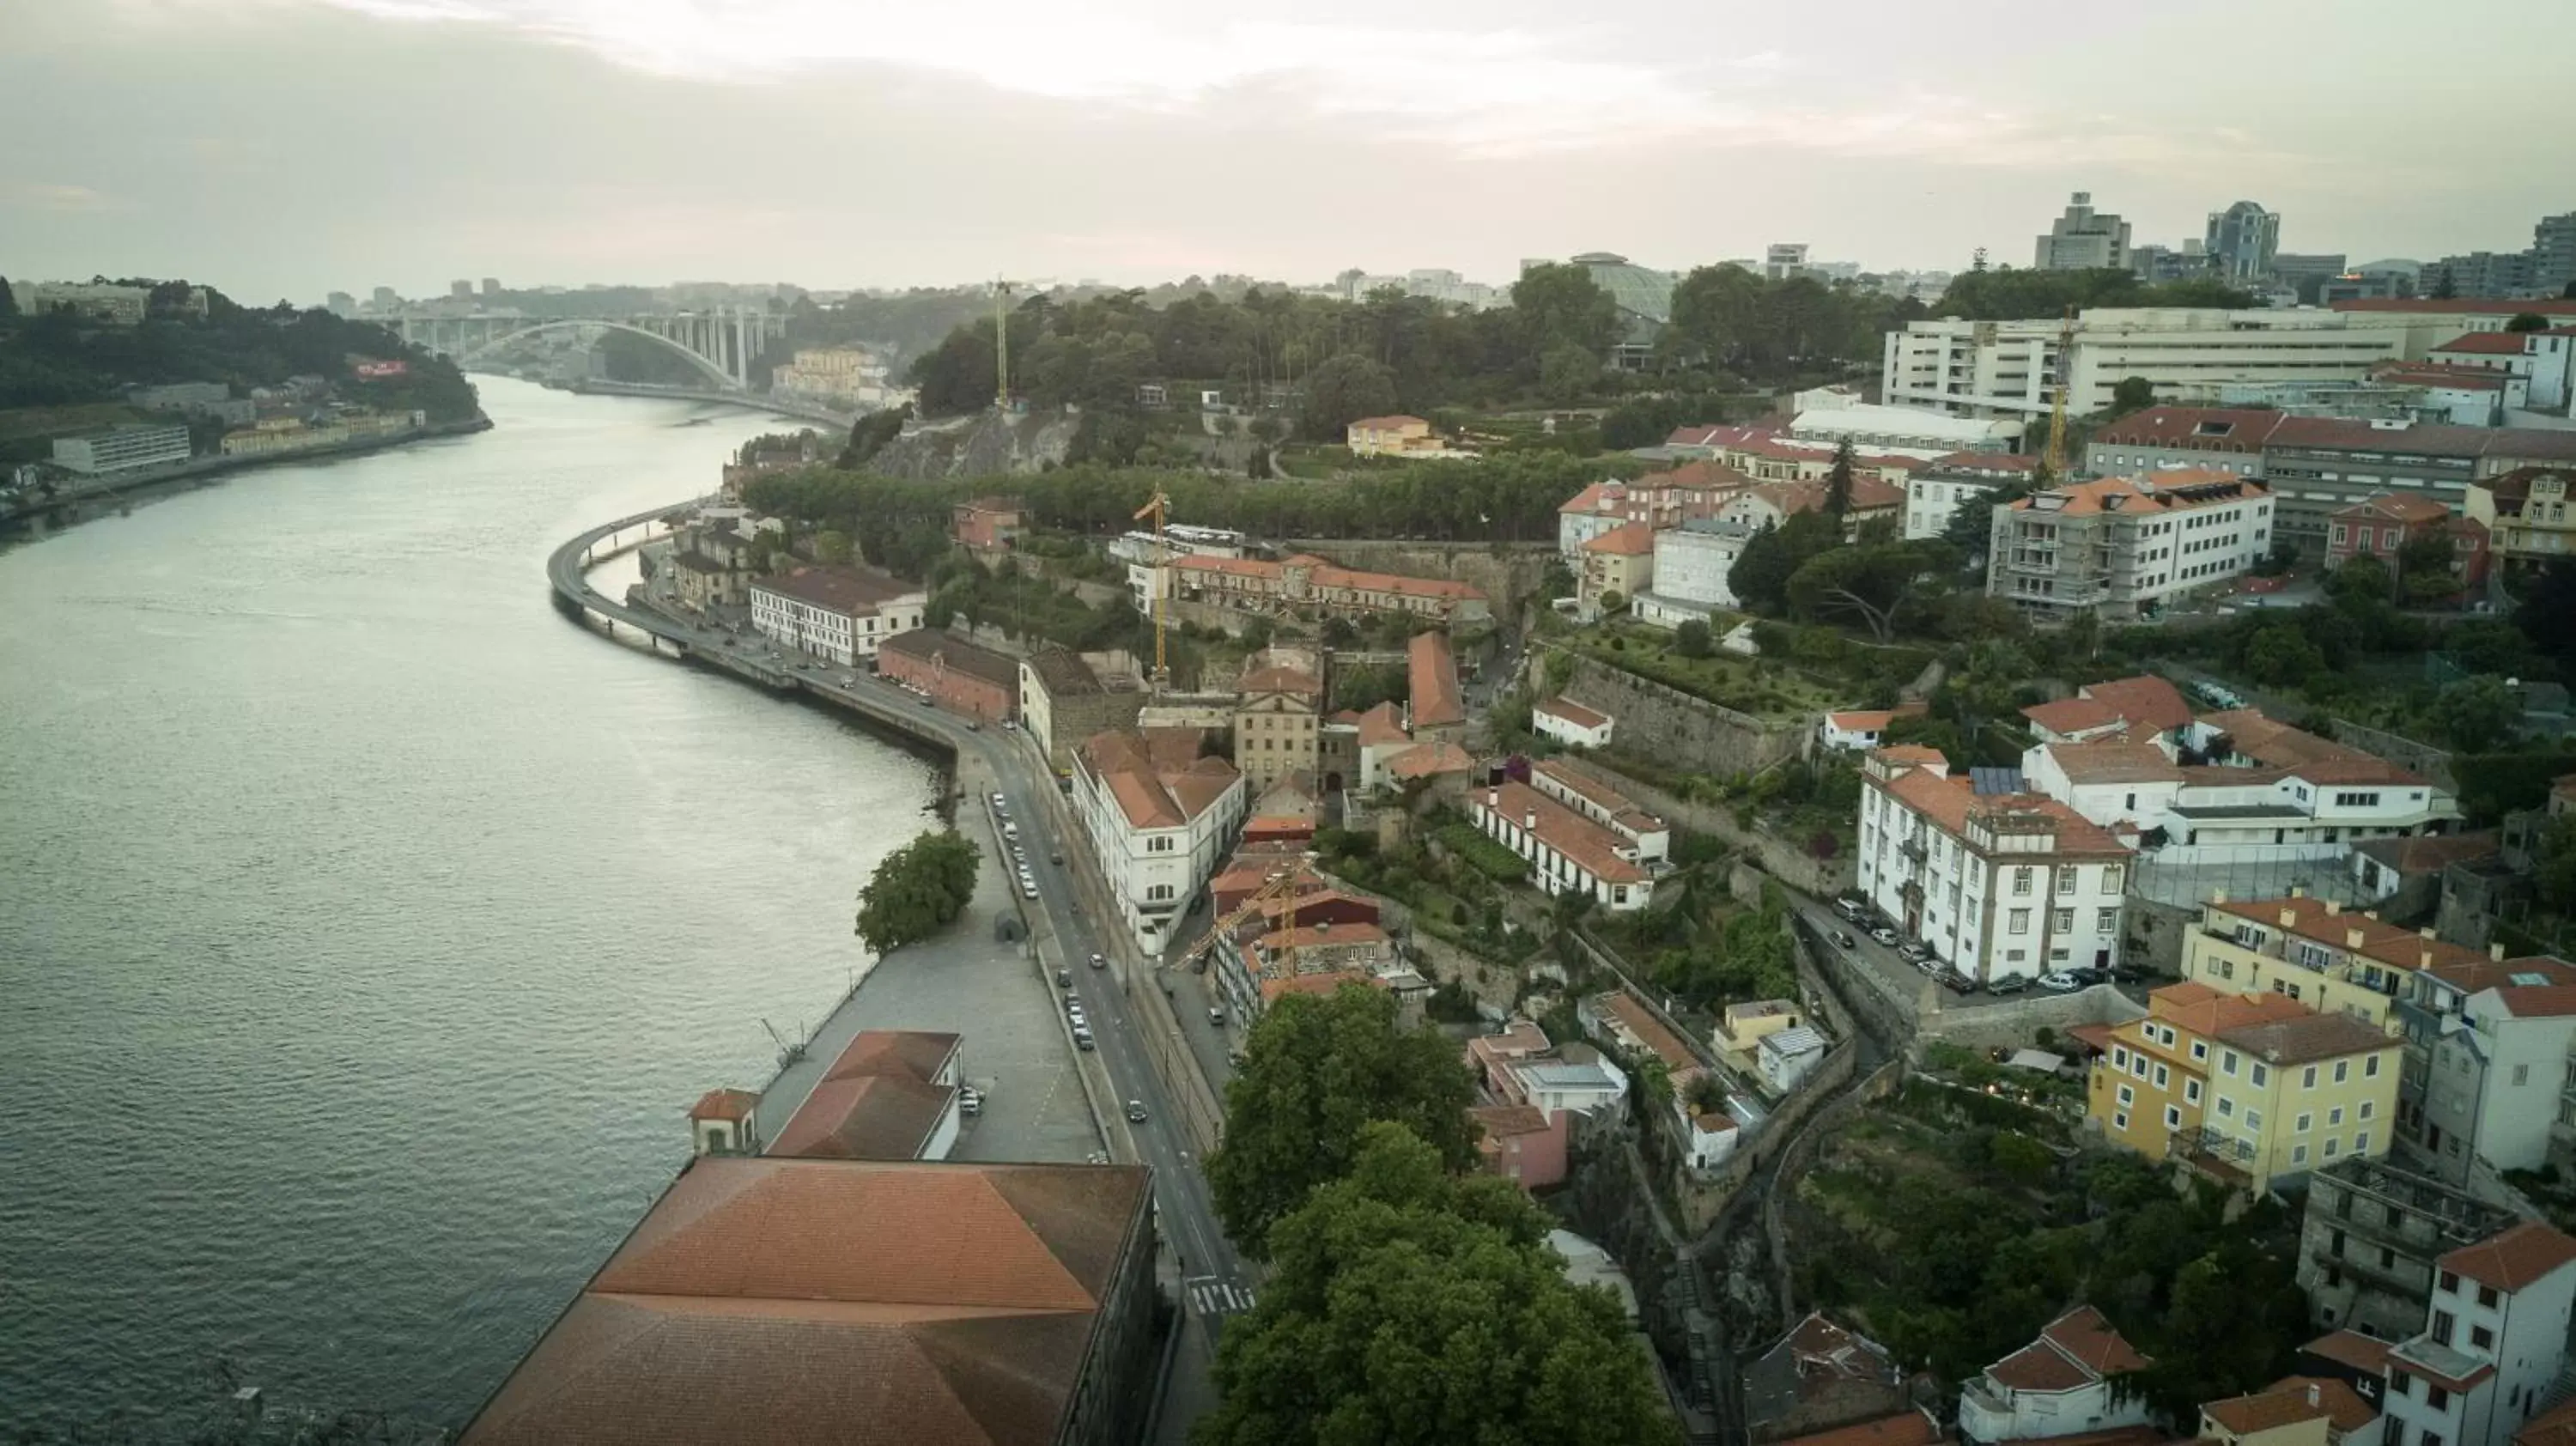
[2514, 1259]
[2072, 715]
[1662, 1042]
[1572, 712]
[2201, 429]
[1155, 780]
[2485, 343]
[1908, 1428]
[2084, 1334]
[1588, 844]
[943, 649]
[2401, 507]
[2154, 493]
[2145, 698]
[817, 1300]
[2556, 1427]
[1628, 539]
[2367, 1354]
[2327, 923]
[849, 590]
[1432, 673]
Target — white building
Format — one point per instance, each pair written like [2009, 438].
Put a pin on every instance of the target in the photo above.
[2121, 547]
[838, 613]
[1838, 414]
[1692, 565]
[2493, 1344]
[1788, 1056]
[1996, 885]
[2007, 368]
[1566, 852]
[1570, 723]
[1857, 730]
[1578, 1078]
[2083, 239]
[1961, 479]
[100, 301]
[2058, 1385]
[1710, 1137]
[1160, 818]
[124, 449]
[1649, 836]
[2486, 1062]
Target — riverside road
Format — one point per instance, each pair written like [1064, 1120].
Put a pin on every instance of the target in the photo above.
[1069, 921]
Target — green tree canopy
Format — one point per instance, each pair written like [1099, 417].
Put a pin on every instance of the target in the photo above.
[1408, 1307]
[1567, 373]
[831, 545]
[1760, 577]
[1342, 391]
[1838, 480]
[2477, 714]
[1560, 305]
[917, 890]
[1315, 1070]
[2132, 394]
[1691, 639]
[2524, 321]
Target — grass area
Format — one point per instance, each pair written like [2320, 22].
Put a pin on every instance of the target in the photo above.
[1758, 686]
[17, 423]
[1313, 461]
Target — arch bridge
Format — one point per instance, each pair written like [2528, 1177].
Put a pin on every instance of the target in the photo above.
[720, 344]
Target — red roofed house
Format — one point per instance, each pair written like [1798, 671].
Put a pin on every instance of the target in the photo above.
[2293, 1411]
[1159, 816]
[988, 524]
[959, 675]
[1996, 885]
[2529, 514]
[1566, 851]
[1857, 730]
[2554, 1427]
[2490, 1040]
[2493, 1343]
[1585, 791]
[720, 1123]
[1913, 1427]
[1306, 583]
[2059, 1385]
[1395, 436]
[1435, 709]
[1621, 561]
[2381, 525]
[1272, 957]
[874, 1303]
[1521, 1143]
[1570, 723]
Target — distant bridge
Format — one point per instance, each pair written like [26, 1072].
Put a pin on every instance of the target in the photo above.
[720, 343]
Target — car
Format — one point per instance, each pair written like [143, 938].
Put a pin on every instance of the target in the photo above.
[1064, 979]
[1883, 934]
[1009, 726]
[1081, 1023]
[1926, 963]
[926, 702]
[1097, 962]
[1844, 941]
[969, 1103]
[1001, 805]
[1953, 980]
[1028, 888]
[2131, 973]
[1135, 1112]
[2060, 981]
[2010, 984]
[1055, 856]
[974, 727]
[1850, 909]
[1083, 1040]
[1911, 951]
[1216, 1016]
[1010, 830]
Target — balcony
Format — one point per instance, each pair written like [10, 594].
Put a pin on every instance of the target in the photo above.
[1913, 848]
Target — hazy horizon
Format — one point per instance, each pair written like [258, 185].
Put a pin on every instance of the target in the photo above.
[291, 147]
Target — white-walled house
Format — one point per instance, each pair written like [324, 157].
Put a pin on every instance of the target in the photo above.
[1570, 723]
[2494, 1340]
[1857, 730]
[1566, 852]
[1160, 818]
[1588, 795]
[837, 613]
[1995, 885]
[2487, 1051]
[2058, 1385]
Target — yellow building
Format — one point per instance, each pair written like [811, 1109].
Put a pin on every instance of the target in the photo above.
[2292, 1411]
[2331, 959]
[1741, 1030]
[2530, 515]
[1397, 436]
[2246, 1089]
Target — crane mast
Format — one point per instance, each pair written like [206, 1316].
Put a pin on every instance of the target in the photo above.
[2065, 370]
[1001, 346]
[1156, 508]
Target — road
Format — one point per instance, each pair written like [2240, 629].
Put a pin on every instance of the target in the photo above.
[1066, 930]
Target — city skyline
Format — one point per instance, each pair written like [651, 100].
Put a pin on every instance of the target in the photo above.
[778, 139]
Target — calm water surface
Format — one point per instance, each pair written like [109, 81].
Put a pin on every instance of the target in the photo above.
[365, 927]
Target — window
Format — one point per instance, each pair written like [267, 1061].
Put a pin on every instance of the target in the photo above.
[2298, 1154]
[2343, 1070]
[2021, 918]
[2260, 1074]
[2444, 1323]
[2066, 881]
[2173, 1118]
[2435, 1396]
[2370, 1067]
[2111, 878]
[2120, 1119]
[1160, 844]
[2161, 1076]
[2066, 921]
[2308, 1080]
[2200, 1049]
[2361, 1142]
[2227, 1062]
[2119, 1056]
[2366, 1106]
[2191, 1092]
[2488, 1298]
[2480, 1338]
[2522, 1074]
[2226, 1108]
[2450, 1282]
[2302, 1125]
[2105, 920]
[2334, 1117]
[2253, 1119]
[2127, 1096]
[2400, 1384]
[2021, 881]
[1157, 893]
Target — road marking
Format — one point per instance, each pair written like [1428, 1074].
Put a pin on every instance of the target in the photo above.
[1210, 1296]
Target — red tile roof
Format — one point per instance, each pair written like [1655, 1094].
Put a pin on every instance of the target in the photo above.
[1874, 720]
[2114, 762]
[2072, 715]
[2367, 1354]
[2326, 923]
[2116, 1436]
[2199, 429]
[1572, 712]
[1279, 678]
[878, 1101]
[1432, 673]
[1381, 424]
[2084, 1334]
[856, 592]
[1588, 844]
[2555, 1427]
[1423, 760]
[942, 649]
[2513, 1259]
[2145, 698]
[2420, 439]
[2159, 492]
[1155, 779]
[1665, 1045]
[1909, 1428]
[724, 1105]
[1628, 539]
[1380, 726]
[2485, 343]
[2402, 507]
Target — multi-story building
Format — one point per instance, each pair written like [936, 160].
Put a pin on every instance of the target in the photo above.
[1571, 723]
[838, 613]
[2492, 1344]
[2215, 439]
[1660, 499]
[2529, 514]
[851, 377]
[2381, 525]
[1619, 563]
[961, 677]
[2241, 242]
[1064, 700]
[1435, 710]
[1770, 504]
[988, 524]
[1692, 563]
[2369, 1234]
[1588, 794]
[1566, 852]
[2316, 466]
[2487, 1077]
[796, 1299]
[2121, 547]
[122, 449]
[2008, 368]
[2315, 952]
[1159, 816]
[1397, 436]
[1278, 723]
[2247, 1090]
[2061, 1384]
[1306, 582]
[1256, 971]
[1960, 479]
[1996, 885]
[106, 301]
[2083, 239]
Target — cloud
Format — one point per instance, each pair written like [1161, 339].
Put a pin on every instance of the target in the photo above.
[62, 200]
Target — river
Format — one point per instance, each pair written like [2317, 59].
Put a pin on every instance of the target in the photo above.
[366, 927]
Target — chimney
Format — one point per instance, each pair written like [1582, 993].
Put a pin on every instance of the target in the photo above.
[2424, 959]
[1529, 819]
[2220, 897]
[2496, 952]
[2352, 938]
[2289, 918]
[2426, 932]
[2312, 1393]
[2333, 908]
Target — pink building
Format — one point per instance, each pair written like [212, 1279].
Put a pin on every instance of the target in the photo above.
[2381, 524]
[1521, 1143]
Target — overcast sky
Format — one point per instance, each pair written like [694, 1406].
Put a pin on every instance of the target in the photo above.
[285, 147]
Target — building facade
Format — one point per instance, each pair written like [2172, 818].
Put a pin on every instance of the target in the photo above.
[2058, 1385]
[1278, 724]
[1305, 584]
[841, 614]
[1961, 479]
[958, 675]
[2492, 1344]
[2008, 368]
[1566, 852]
[2369, 1234]
[123, 449]
[2122, 547]
[1160, 818]
[2315, 952]
[2487, 1074]
[1570, 723]
[2083, 239]
[2529, 514]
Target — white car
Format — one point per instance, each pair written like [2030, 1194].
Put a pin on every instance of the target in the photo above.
[1028, 888]
[1001, 804]
[2061, 981]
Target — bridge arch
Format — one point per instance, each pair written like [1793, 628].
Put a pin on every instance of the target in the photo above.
[714, 371]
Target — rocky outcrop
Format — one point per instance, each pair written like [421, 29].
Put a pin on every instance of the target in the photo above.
[985, 445]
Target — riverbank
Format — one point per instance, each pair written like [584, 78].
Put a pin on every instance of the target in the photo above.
[181, 475]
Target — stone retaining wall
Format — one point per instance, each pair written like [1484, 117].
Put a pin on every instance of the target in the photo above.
[2010, 1023]
[1778, 857]
[1689, 733]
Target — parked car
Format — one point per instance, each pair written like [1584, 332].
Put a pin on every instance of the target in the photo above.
[1056, 857]
[2131, 973]
[1082, 1040]
[1884, 935]
[1028, 888]
[1844, 941]
[970, 1102]
[1064, 979]
[1956, 981]
[1000, 804]
[2010, 984]
[1136, 1112]
[1216, 1016]
[1912, 951]
[1010, 830]
[1097, 962]
[2061, 981]
[1926, 963]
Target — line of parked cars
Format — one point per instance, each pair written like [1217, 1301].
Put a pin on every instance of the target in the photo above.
[1860, 915]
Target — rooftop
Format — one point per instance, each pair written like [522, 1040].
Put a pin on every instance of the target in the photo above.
[1157, 775]
[1913, 1427]
[879, 1101]
[1628, 539]
[1432, 673]
[850, 590]
[1572, 712]
[1640, 1022]
[1595, 848]
[2514, 1259]
[945, 649]
[2176, 490]
[2199, 429]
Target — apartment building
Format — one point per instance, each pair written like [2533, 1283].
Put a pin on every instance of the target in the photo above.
[1692, 565]
[2492, 1344]
[1566, 851]
[2487, 1077]
[2122, 547]
[1619, 563]
[2315, 952]
[1267, 964]
[2214, 439]
[2317, 466]
[1278, 723]
[840, 614]
[2083, 239]
[1159, 817]
[2370, 1232]
[2008, 368]
[1996, 885]
[2244, 1089]
[121, 449]
[1659, 499]
[1960, 479]
[2529, 514]
[1310, 584]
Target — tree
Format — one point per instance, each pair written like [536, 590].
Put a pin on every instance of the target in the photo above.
[1411, 1308]
[1760, 576]
[1560, 305]
[831, 545]
[2132, 394]
[1612, 600]
[2446, 286]
[2555, 878]
[2548, 601]
[1972, 523]
[1691, 639]
[1342, 391]
[1838, 480]
[1867, 582]
[2424, 566]
[2282, 654]
[1315, 1069]
[1567, 373]
[2363, 578]
[8, 300]
[2527, 321]
[917, 890]
[2477, 714]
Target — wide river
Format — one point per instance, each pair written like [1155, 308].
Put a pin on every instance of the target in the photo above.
[366, 927]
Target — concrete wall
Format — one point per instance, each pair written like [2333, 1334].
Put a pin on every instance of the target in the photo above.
[1687, 732]
[1992, 1024]
[2406, 753]
[1778, 857]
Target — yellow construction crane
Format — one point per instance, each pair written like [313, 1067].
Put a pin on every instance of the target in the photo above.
[2056, 462]
[1001, 346]
[1280, 885]
[1155, 508]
